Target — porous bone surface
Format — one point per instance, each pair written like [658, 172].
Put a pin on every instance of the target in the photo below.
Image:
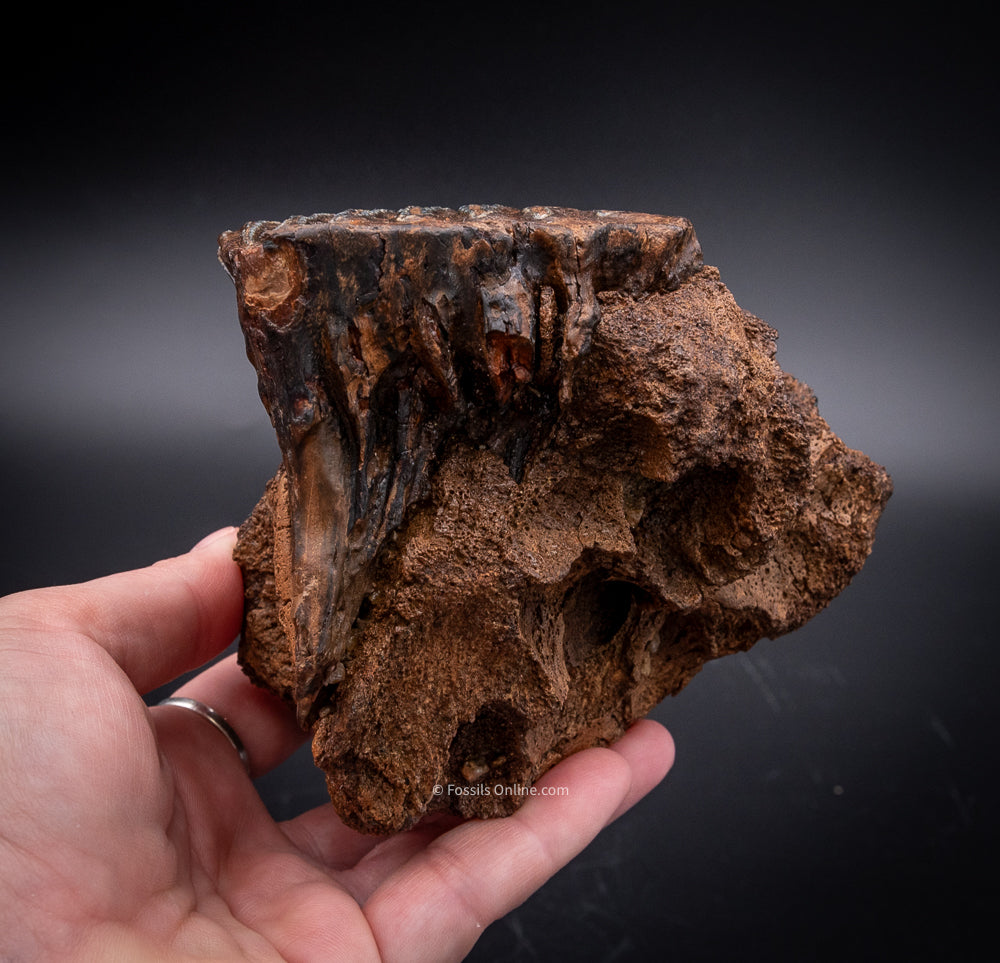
[537, 467]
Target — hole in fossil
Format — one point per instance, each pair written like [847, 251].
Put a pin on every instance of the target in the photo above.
[488, 749]
[364, 613]
[594, 611]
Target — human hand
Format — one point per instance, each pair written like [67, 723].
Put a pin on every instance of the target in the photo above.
[129, 833]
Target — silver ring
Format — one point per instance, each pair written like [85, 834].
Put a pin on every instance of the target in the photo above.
[217, 719]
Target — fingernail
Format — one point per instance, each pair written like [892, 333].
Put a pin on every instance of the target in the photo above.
[226, 532]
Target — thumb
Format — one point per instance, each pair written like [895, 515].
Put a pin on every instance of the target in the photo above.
[155, 622]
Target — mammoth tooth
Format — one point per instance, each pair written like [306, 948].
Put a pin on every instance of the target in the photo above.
[537, 467]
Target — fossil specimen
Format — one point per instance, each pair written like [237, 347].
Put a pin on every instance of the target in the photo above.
[537, 467]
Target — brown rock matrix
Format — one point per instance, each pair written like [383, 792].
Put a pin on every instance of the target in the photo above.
[537, 467]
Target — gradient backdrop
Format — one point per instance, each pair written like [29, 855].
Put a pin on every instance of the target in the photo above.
[836, 792]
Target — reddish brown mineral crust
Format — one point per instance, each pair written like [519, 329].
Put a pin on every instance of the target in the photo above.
[538, 467]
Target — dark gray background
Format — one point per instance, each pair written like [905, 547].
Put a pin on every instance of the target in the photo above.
[835, 794]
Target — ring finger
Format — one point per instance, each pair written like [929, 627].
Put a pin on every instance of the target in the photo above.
[265, 725]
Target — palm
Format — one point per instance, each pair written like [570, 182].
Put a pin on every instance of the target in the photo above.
[135, 833]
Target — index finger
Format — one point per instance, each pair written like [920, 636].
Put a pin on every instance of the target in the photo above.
[436, 905]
